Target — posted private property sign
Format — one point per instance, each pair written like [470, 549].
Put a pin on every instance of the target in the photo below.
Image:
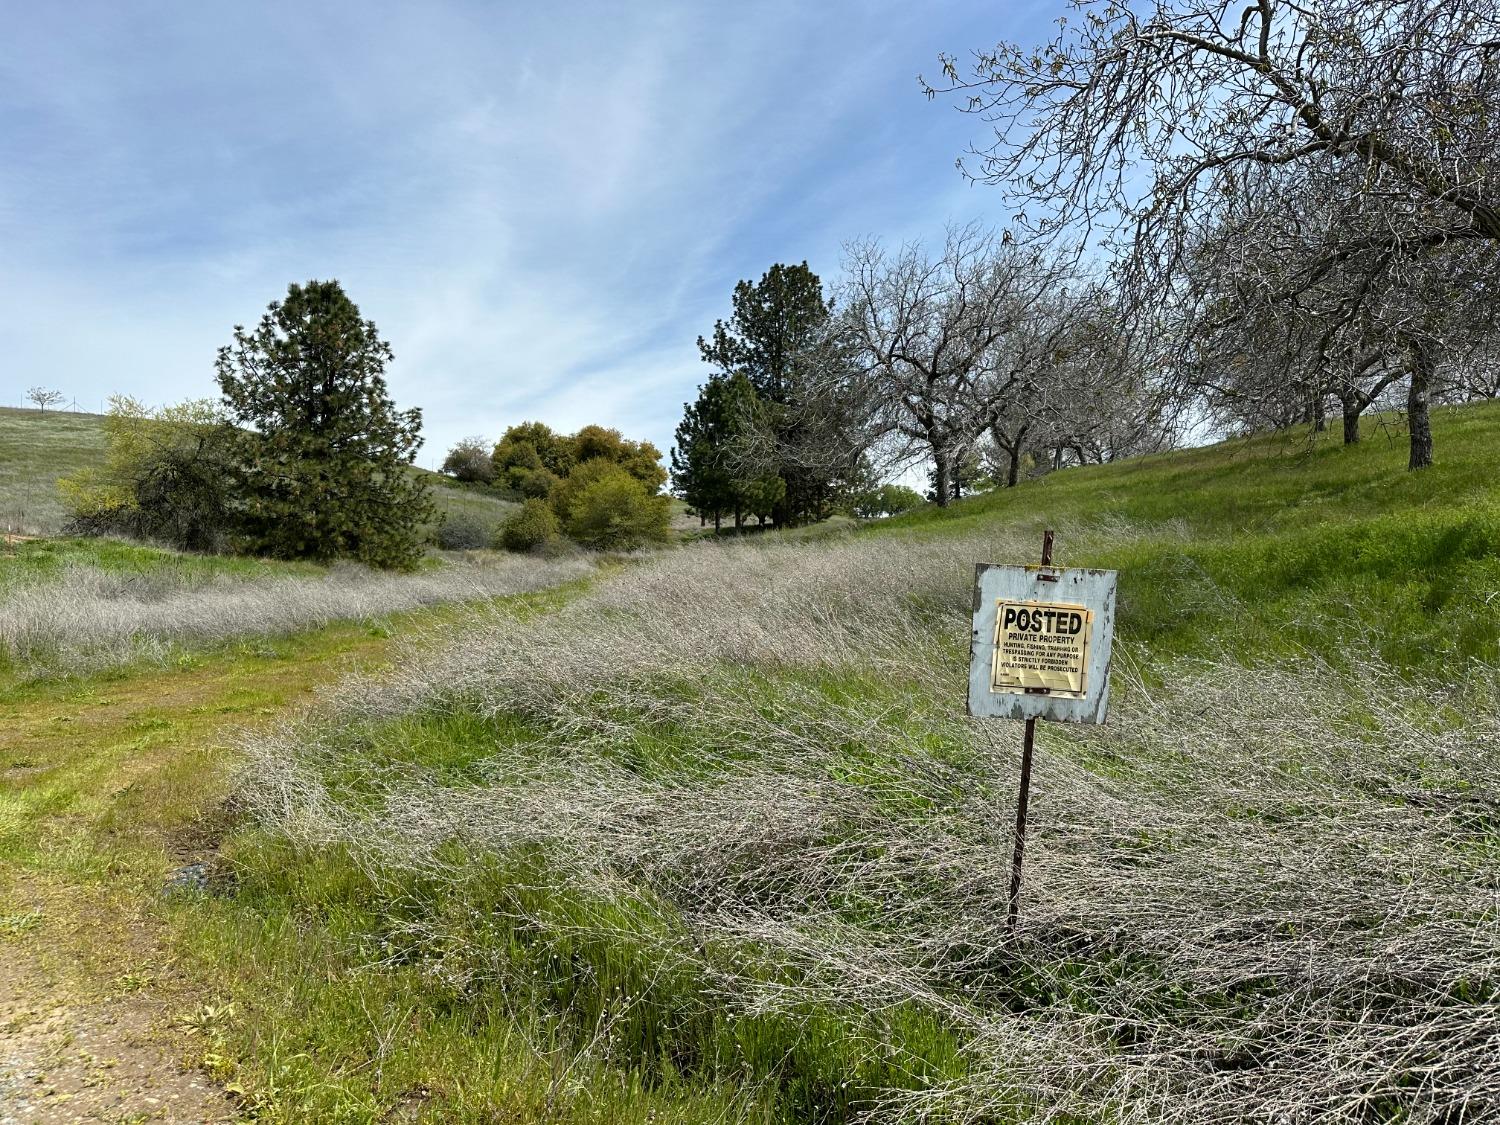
[1041, 643]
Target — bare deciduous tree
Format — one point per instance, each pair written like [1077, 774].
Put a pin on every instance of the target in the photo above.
[1152, 131]
[947, 340]
[43, 397]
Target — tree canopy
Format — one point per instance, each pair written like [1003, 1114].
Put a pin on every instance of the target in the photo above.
[324, 465]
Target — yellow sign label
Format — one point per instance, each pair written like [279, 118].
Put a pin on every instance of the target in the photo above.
[1042, 647]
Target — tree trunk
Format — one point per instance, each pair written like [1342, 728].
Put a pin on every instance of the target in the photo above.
[1013, 474]
[739, 518]
[940, 479]
[718, 517]
[1417, 420]
[1320, 415]
[1351, 420]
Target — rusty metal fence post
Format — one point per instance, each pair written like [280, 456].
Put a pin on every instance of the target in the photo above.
[1023, 797]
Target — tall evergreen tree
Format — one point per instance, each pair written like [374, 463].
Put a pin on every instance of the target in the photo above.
[699, 474]
[775, 330]
[325, 465]
[708, 470]
[775, 323]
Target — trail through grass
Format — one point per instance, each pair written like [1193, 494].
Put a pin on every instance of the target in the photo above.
[108, 782]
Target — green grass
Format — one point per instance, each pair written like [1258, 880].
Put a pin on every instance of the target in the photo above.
[107, 782]
[1287, 543]
[1260, 485]
[483, 505]
[1277, 546]
[35, 450]
[40, 559]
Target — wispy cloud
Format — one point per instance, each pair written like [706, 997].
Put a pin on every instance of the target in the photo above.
[542, 208]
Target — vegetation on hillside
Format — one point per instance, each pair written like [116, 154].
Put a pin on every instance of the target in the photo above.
[709, 837]
[36, 450]
[1311, 218]
[599, 488]
[305, 457]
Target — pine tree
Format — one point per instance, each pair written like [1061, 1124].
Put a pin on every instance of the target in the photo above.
[712, 468]
[699, 475]
[325, 465]
[775, 322]
[774, 334]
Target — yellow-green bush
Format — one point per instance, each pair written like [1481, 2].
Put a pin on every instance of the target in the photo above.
[533, 526]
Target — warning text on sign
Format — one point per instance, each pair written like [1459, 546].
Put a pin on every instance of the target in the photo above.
[1041, 647]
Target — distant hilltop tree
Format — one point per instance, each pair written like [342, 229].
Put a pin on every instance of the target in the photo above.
[325, 467]
[43, 397]
[469, 461]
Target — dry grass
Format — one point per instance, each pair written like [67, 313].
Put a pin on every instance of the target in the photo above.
[1261, 894]
[88, 617]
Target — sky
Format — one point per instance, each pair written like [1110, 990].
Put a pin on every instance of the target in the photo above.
[541, 206]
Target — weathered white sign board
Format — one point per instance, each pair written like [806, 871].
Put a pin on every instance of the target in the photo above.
[1041, 645]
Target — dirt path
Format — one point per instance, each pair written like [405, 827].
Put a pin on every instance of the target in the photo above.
[68, 1054]
[106, 786]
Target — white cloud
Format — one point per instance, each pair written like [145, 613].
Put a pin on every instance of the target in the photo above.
[541, 208]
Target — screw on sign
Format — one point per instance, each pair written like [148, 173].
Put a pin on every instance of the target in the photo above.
[1040, 650]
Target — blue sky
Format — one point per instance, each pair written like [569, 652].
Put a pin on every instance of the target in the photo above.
[541, 206]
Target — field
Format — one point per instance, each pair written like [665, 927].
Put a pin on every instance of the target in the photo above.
[707, 837]
[35, 450]
[75, 606]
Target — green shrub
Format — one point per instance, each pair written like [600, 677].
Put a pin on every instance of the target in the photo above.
[887, 500]
[469, 461]
[611, 510]
[166, 478]
[463, 532]
[533, 526]
[537, 483]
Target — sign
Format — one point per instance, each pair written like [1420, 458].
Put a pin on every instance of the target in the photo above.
[1041, 643]
[1043, 646]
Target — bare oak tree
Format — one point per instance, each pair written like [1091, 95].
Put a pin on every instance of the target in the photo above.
[947, 341]
[43, 397]
[1143, 129]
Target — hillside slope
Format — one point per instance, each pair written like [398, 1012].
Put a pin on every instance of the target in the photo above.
[717, 831]
[36, 449]
[1282, 544]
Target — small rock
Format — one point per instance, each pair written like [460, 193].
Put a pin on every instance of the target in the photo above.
[192, 879]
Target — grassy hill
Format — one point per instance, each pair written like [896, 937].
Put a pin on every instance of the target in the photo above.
[35, 450]
[38, 448]
[713, 840]
[1284, 543]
